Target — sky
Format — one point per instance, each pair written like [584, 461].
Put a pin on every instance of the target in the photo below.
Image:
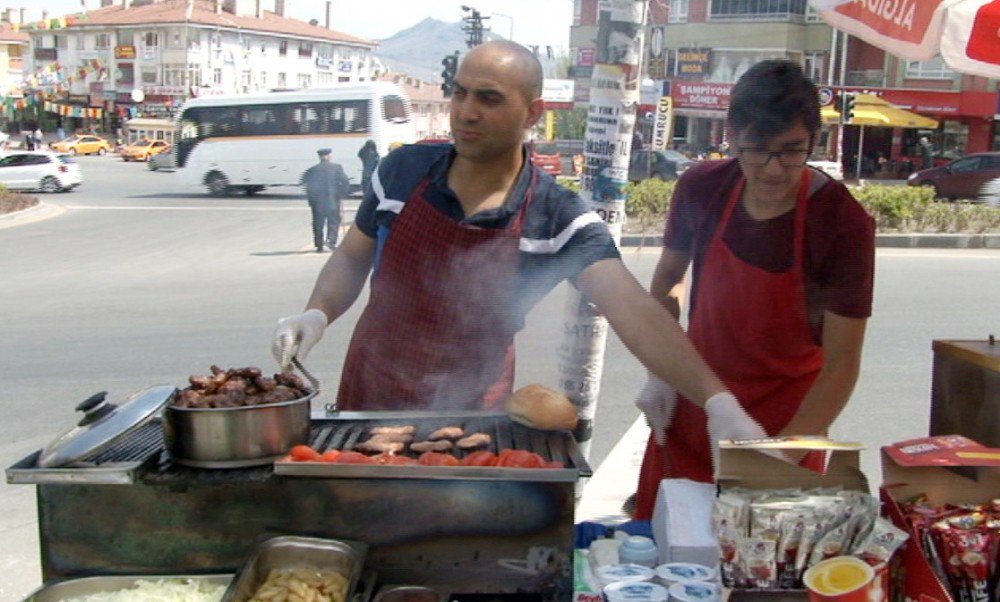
[541, 22]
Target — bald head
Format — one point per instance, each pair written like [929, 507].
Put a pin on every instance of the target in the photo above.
[515, 60]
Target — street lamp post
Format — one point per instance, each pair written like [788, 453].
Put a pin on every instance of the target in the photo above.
[511, 35]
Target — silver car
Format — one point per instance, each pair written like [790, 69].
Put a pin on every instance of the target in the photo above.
[164, 161]
[39, 170]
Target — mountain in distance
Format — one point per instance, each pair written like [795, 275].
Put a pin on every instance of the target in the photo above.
[418, 50]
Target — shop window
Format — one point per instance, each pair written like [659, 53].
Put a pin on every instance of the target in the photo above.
[217, 77]
[932, 69]
[678, 12]
[757, 10]
[149, 76]
[305, 80]
[324, 78]
[282, 80]
[262, 80]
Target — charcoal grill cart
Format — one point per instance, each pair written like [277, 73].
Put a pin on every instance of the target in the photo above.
[129, 509]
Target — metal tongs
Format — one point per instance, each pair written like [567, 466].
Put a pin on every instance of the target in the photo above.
[314, 383]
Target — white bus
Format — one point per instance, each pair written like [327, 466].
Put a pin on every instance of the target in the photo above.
[244, 143]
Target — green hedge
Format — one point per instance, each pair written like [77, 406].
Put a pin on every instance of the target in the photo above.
[895, 209]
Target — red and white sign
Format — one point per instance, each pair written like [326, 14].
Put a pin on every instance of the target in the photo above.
[965, 32]
[701, 95]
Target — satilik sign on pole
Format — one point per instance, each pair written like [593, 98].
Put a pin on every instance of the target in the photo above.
[663, 123]
[614, 99]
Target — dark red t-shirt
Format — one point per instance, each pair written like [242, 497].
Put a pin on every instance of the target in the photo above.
[839, 238]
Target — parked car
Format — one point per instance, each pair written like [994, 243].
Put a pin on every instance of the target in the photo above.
[39, 170]
[164, 161]
[960, 179]
[143, 149]
[831, 168]
[661, 164]
[546, 156]
[82, 145]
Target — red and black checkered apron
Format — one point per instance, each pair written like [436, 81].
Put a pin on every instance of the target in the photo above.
[438, 330]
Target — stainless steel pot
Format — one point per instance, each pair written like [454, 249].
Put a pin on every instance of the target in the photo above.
[235, 437]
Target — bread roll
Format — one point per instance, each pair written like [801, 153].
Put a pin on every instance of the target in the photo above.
[541, 408]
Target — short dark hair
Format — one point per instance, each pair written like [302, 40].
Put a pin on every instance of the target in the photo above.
[771, 97]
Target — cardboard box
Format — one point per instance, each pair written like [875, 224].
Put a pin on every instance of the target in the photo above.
[948, 469]
[682, 523]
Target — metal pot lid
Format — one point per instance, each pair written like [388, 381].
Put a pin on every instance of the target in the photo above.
[102, 423]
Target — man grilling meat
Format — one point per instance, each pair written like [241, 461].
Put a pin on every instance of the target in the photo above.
[464, 239]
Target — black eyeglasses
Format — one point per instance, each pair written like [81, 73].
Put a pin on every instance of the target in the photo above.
[756, 157]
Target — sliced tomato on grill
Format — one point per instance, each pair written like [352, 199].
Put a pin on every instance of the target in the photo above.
[519, 458]
[437, 459]
[353, 457]
[330, 455]
[303, 453]
[393, 460]
[480, 458]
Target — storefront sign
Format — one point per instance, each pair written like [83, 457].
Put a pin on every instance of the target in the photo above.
[701, 96]
[164, 90]
[663, 123]
[947, 103]
[585, 57]
[324, 62]
[557, 90]
[693, 62]
[345, 66]
[125, 52]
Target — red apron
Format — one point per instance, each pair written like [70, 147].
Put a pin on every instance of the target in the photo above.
[438, 330]
[751, 327]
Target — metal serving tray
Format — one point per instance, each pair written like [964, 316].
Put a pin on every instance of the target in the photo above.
[85, 586]
[348, 429]
[346, 558]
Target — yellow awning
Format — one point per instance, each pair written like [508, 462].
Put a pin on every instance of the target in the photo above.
[872, 110]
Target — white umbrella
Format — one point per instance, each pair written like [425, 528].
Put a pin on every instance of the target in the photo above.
[966, 33]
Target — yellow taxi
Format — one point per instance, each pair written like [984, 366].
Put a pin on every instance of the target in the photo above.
[82, 145]
[143, 149]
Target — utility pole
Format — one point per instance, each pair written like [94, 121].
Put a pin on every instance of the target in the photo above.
[473, 26]
[611, 116]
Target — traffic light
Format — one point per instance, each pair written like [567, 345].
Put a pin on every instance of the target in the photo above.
[847, 108]
[450, 63]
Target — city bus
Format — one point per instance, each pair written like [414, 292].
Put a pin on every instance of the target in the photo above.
[244, 143]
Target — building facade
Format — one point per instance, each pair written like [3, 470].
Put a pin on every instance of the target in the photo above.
[14, 45]
[146, 57]
[696, 50]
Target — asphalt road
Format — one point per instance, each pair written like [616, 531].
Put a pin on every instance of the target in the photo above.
[139, 282]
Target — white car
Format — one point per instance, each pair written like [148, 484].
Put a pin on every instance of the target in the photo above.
[830, 168]
[39, 170]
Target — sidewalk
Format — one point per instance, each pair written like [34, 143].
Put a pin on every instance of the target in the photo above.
[615, 479]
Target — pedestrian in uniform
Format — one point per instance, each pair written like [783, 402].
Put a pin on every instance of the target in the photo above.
[369, 159]
[464, 238]
[326, 184]
[783, 259]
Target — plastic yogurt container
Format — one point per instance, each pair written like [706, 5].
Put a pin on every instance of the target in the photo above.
[683, 572]
[624, 573]
[694, 591]
[636, 591]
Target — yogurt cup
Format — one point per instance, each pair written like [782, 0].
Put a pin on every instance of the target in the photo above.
[624, 573]
[635, 591]
[694, 591]
[683, 572]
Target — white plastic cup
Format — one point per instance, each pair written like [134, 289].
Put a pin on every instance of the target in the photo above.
[636, 591]
[637, 549]
[683, 572]
[694, 591]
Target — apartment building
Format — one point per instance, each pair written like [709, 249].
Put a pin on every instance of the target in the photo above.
[13, 47]
[696, 49]
[146, 57]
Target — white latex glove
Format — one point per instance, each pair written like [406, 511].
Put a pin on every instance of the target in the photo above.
[657, 401]
[296, 335]
[728, 420]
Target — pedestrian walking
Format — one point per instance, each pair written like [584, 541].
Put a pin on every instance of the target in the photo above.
[38, 138]
[369, 159]
[326, 184]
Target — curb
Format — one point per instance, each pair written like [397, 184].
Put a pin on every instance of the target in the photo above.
[30, 215]
[897, 241]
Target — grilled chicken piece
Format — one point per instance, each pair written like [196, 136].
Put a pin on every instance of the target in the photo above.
[381, 446]
[403, 438]
[474, 440]
[393, 430]
[448, 432]
[441, 445]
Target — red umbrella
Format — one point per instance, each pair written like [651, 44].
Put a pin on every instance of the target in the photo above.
[966, 33]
